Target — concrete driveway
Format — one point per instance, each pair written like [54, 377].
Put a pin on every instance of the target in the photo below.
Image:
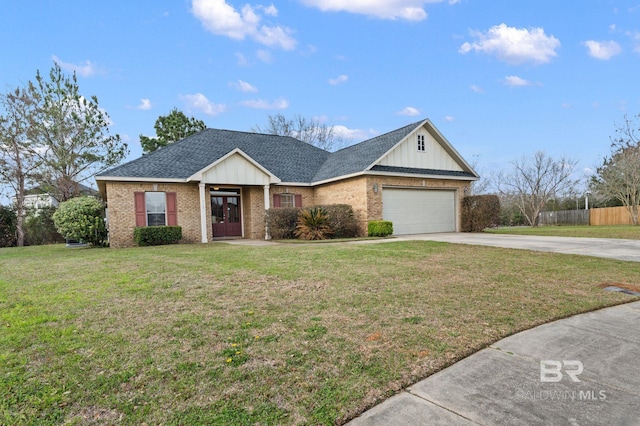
[599, 247]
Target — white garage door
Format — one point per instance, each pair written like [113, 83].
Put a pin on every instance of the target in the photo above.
[417, 211]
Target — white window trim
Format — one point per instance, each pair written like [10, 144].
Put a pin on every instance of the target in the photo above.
[146, 207]
[421, 143]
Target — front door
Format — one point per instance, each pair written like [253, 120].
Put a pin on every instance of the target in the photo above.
[225, 215]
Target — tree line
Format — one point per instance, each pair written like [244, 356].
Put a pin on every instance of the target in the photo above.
[533, 184]
[53, 137]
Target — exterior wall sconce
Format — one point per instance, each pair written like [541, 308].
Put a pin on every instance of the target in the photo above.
[375, 188]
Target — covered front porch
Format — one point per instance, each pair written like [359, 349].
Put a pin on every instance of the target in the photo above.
[234, 195]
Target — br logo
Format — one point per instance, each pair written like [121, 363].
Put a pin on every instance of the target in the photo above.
[551, 371]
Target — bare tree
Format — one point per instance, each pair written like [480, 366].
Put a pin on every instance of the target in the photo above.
[482, 185]
[619, 175]
[311, 131]
[532, 182]
[18, 161]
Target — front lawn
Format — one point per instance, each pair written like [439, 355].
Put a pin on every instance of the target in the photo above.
[619, 231]
[289, 334]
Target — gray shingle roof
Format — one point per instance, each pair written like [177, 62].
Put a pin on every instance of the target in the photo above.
[287, 158]
[290, 159]
[411, 170]
[358, 157]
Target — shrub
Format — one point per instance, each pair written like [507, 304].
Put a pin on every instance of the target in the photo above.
[341, 220]
[82, 219]
[480, 212]
[379, 228]
[313, 224]
[157, 235]
[7, 227]
[281, 223]
[39, 227]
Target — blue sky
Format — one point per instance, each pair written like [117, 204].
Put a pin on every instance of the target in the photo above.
[501, 79]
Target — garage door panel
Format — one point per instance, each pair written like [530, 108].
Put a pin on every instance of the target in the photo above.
[415, 211]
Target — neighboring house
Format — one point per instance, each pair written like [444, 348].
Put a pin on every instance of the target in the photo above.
[219, 183]
[38, 198]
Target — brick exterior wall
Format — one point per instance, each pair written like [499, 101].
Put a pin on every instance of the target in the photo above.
[122, 218]
[367, 204]
[348, 191]
[375, 199]
[357, 192]
[253, 213]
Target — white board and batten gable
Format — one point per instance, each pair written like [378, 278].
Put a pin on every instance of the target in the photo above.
[236, 168]
[424, 148]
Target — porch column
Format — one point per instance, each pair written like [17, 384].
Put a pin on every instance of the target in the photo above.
[267, 206]
[203, 213]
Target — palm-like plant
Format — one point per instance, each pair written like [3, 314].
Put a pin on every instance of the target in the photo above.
[313, 224]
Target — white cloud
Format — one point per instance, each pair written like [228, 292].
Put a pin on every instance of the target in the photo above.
[476, 89]
[243, 86]
[220, 18]
[338, 80]
[514, 45]
[199, 102]
[409, 111]
[354, 134]
[279, 103]
[603, 50]
[85, 70]
[145, 104]
[264, 56]
[310, 50]
[242, 60]
[515, 81]
[449, 118]
[636, 40]
[410, 10]
[269, 10]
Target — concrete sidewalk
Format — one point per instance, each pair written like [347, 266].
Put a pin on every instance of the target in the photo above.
[506, 384]
[610, 248]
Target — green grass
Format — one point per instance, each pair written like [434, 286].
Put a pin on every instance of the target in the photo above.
[290, 334]
[620, 231]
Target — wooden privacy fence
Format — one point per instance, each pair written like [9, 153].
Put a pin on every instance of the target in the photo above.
[610, 216]
[564, 217]
[594, 217]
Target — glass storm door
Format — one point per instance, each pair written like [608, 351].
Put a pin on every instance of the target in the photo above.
[225, 216]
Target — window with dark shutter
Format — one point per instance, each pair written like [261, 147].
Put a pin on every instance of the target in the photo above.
[156, 208]
[141, 212]
[172, 209]
[287, 200]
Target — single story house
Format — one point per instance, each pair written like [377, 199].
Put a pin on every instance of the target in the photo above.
[219, 183]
